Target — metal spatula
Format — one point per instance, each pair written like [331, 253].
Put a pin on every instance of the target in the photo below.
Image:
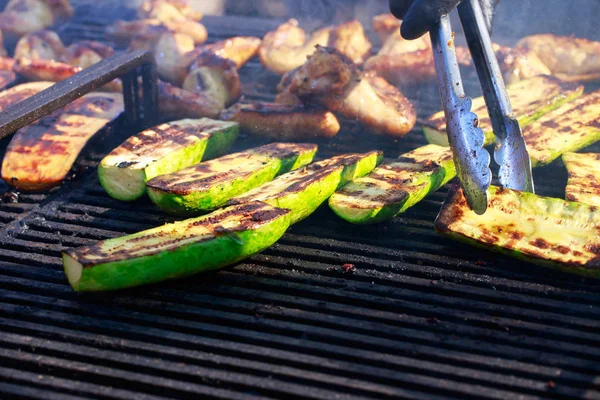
[465, 138]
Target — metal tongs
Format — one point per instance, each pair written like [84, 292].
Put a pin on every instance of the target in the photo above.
[465, 137]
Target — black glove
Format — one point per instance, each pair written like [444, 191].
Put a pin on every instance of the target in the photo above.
[419, 16]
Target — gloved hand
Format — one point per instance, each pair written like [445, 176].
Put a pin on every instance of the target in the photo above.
[419, 16]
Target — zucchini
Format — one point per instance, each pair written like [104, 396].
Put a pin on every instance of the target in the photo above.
[176, 250]
[546, 231]
[302, 191]
[41, 154]
[583, 184]
[210, 184]
[530, 99]
[394, 187]
[569, 128]
[161, 150]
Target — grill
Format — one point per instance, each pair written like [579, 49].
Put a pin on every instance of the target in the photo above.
[420, 316]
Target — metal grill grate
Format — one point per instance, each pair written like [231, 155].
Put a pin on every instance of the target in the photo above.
[420, 317]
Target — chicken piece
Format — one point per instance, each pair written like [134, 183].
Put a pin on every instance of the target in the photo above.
[172, 60]
[238, 49]
[45, 45]
[518, 64]
[167, 10]
[215, 77]
[332, 80]
[177, 103]
[21, 17]
[7, 75]
[86, 53]
[568, 58]
[384, 25]
[283, 122]
[288, 47]
[150, 29]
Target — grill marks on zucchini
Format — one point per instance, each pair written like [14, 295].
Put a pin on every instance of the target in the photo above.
[583, 184]
[546, 231]
[302, 191]
[530, 99]
[210, 184]
[569, 128]
[41, 154]
[175, 250]
[394, 187]
[160, 150]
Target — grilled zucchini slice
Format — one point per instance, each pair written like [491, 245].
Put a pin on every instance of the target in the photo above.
[569, 128]
[583, 184]
[546, 231]
[302, 191]
[161, 150]
[530, 99]
[41, 154]
[210, 184]
[176, 250]
[392, 188]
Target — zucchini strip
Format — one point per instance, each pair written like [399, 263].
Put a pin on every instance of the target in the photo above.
[583, 185]
[176, 250]
[394, 187]
[41, 154]
[569, 128]
[161, 150]
[302, 191]
[545, 231]
[210, 184]
[530, 99]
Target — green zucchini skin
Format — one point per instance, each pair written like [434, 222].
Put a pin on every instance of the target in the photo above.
[545, 231]
[209, 185]
[583, 185]
[569, 128]
[176, 250]
[163, 149]
[530, 99]
[394, 187]
[302, 191]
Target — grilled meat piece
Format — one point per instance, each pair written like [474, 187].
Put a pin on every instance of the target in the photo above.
[288, 47]
[40, 155]
[518, 64]
[44, 44]
[332, 80]
[238, 49]
[568, 58]
[170, 51]
[21, 17]
[177, 103]
[284, 122]
[385, 25]
[150, 29]
[214, 77]
[167, 10]
[86, 53]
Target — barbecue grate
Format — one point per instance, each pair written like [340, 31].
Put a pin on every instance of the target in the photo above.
[419, 317]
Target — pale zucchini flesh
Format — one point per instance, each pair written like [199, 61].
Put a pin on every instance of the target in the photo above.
[394, 187]
[530, 99]
[210, 184]
[583, 184]
[161, 150]
[302, 191]
[569, 128]
[546, 231]
[176, 250]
